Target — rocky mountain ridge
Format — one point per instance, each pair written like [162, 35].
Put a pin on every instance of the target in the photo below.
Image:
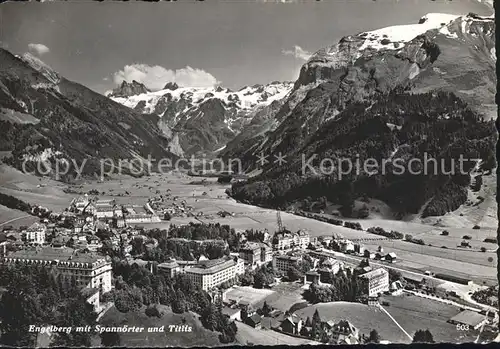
[442, 52]
[62, 119]
[377, 95]
[203, 119]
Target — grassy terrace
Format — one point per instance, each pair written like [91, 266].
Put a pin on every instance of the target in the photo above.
[198, 337]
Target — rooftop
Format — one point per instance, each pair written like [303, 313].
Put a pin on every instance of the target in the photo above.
[468, 317]
[374, 273]
[255, 318]
[344, 326]
[211, 266]
[230, 311]
[36, 226]
[290, 258]
[89, 291]
[168, 264]
[251, 246]
[63, 254]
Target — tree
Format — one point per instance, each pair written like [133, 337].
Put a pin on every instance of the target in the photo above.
[18, 310]
[308, 322]
[110, 339]
[209, 317]
[75, 313]
[263, 278]
[179, 303]
[364, 212]
[316, 323]
[364, 263]
[374, 337]
[422, 336]
[394, 275]
[293, 274]
[152, 311]
[266, 309]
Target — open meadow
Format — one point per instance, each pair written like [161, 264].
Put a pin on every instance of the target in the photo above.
[414, 313]
[198, 337]
[247, 335]
[209, 198]
[365, 318]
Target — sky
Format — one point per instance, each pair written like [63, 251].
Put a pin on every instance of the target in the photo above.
[233, 43]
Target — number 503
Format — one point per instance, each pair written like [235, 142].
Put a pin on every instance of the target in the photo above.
[461, 327]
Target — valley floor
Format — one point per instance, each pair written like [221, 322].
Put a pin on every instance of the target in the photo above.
[210, 198]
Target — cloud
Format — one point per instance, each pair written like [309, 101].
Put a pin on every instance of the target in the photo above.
[297, 52]
[39, 49]
[155, 77]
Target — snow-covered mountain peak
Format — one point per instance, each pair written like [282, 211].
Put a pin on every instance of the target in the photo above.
[247, 98]
[206, 118]
[395, 37]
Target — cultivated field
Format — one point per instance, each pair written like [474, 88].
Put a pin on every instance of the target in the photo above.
[247, 335]
[281, 297]
[285, 295]
[365, 318]
[33, 190]
[210, 198]
[198, 337]
[249, 294]
[15, 218]
[414, 313]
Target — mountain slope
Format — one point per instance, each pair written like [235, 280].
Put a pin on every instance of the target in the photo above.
[366, 97]
[442, 52]
[203, 119]
[73, 121]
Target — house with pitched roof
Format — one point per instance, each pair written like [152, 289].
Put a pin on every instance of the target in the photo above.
[343, 332]
[291, 324]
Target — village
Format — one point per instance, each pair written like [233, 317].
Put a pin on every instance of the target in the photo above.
[300, 268]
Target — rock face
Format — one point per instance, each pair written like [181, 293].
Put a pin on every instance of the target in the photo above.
[171, 86]
[205, 119]
[353, 97]
[73, 121]
[129, 89]
[443, 52]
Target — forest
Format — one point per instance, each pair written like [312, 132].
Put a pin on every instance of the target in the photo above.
[435, 128]
[54, 300]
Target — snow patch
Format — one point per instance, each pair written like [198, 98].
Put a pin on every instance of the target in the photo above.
[414, 71]
[22, 104]
[246, 99]
[445, 31]
[439, 71]
[220, 149]
[43, 156]
[46, 86]
[380, 38]
[42, 68]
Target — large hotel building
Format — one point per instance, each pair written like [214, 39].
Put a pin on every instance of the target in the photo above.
[288, 240]
[375, 282]
[90, 270]
[206, 274]
[255, 254]
[283, 263]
